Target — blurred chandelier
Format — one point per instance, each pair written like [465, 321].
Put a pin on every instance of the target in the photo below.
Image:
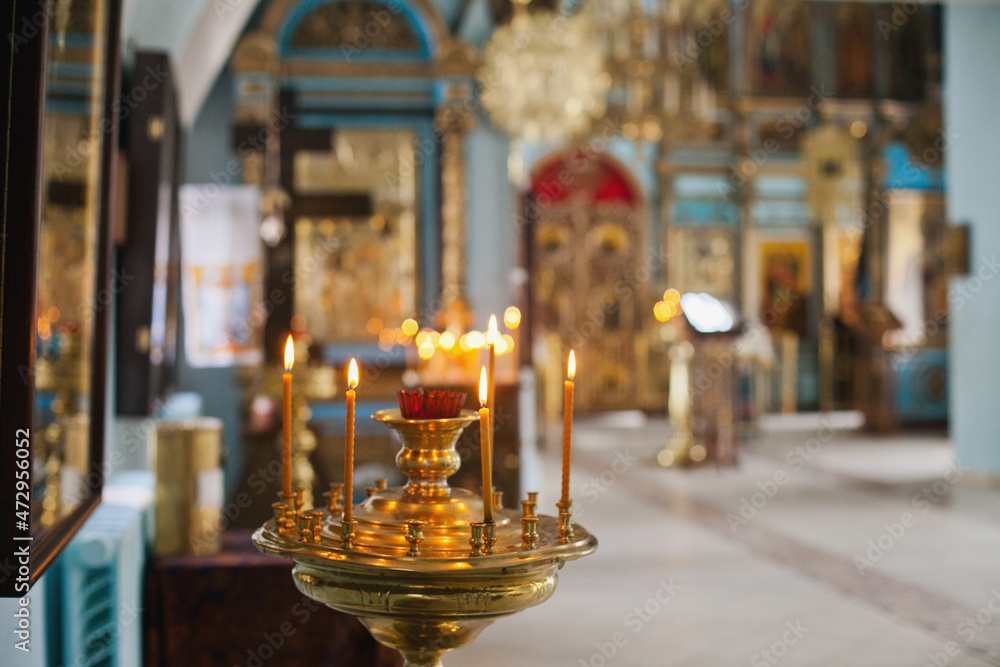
[546, 76]
[656, 55]
[542, 79]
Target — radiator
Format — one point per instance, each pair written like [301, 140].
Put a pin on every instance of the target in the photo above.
[100, 578]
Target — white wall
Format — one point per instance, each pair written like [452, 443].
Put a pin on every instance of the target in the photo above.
[972, 98]
[491, 232]
[198, 35]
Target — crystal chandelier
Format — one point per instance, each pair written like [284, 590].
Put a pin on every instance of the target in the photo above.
[542, 79]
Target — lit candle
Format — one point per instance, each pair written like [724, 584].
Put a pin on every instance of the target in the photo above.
[486, 441]
[352, 383]
[286, 450]
[491, 339]
[567, 424]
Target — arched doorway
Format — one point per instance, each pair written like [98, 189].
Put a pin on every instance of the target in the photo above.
[589, 272]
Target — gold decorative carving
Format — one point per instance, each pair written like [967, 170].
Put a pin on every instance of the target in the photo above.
[293, 68]
[277, 14]
[256, 52]
[457, 58]
[453, 123]
[355, 25]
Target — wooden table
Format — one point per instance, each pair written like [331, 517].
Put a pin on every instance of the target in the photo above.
[241, 608]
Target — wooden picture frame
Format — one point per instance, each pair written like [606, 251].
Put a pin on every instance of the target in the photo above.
[39, 191]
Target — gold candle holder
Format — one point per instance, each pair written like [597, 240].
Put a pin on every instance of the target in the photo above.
[477, 541]
[288, 502]
[529, 532]
[305, 527]
[348, 531]
[416, 564]
[498, 500]
[490, 537]
[530, 505]
[317, 525]
[565, 520]
[414, 535]
[335, 498]
[279, 513]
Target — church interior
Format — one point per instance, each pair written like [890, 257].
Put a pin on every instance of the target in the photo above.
[409, 333]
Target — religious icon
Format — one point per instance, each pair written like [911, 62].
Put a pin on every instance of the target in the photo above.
[779, 48]
[350, 269]
[854, 50]
[785, 269]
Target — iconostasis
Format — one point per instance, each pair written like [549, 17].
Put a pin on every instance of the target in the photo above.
[777, 148]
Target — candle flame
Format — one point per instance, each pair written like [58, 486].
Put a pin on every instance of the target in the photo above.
[492, 333]
[483, 392]
[352, 375]
[571, 365]
[289, 354]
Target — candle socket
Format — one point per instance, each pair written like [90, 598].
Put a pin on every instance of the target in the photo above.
[280, 512]
[348, 531]
[498, 500]
[305, 527]
[490, 536]
[370, 491]
[299, 491]
[529, 532]
[565, 520]
[335, 498]
[414, 535]
[381, 484]
[288, 521]
[477, 542]
[531, 504]
[317, 525]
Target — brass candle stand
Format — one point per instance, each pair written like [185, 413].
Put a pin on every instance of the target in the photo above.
[416, 564]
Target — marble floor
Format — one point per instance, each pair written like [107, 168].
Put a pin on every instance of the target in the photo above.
[826, 547]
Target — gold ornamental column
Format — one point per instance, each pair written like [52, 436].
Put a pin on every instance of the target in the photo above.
[453, 124]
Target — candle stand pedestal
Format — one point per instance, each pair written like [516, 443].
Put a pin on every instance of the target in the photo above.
[409, 573]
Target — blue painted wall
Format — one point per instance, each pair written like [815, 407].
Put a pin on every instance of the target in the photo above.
[972, 97]
[207, 149]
